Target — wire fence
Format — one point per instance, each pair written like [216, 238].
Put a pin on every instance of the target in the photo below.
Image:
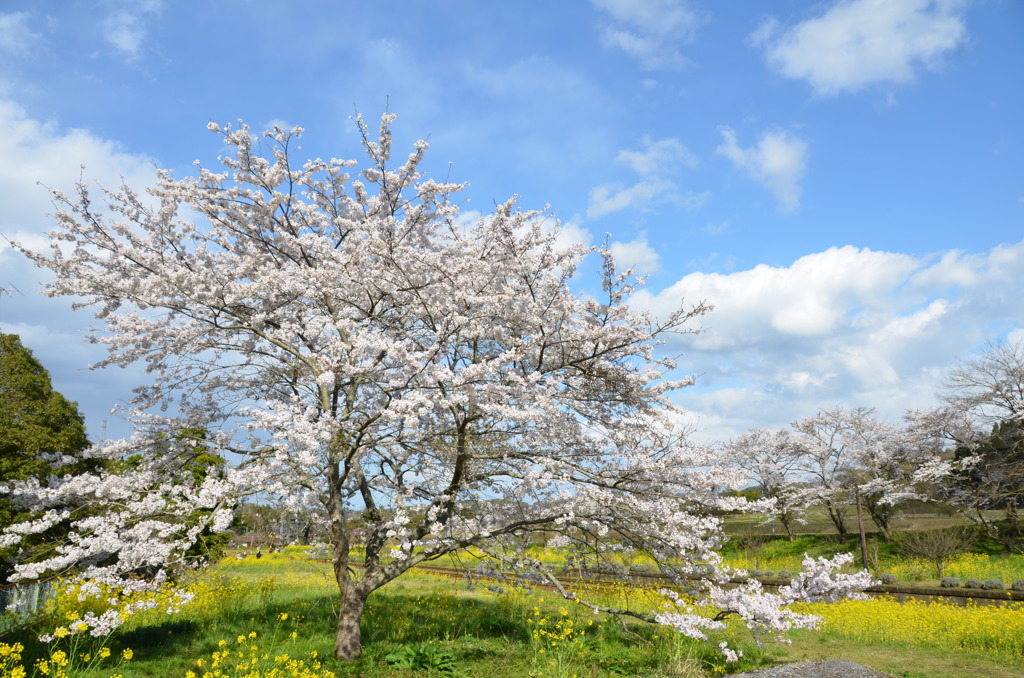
[20, 602]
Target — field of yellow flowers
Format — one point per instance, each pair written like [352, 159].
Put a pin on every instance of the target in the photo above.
[759, 553]
[993, 630]
[274, 617]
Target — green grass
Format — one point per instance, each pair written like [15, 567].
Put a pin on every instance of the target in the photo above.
[754, 551]
[898, 660]
[423, 624]
[428, 618]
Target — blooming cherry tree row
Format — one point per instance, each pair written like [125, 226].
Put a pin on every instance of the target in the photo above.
[839, 456]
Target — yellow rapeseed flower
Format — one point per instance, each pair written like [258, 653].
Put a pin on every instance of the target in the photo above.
[12, 651]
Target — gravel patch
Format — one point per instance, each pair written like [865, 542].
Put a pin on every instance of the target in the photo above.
[833, 668]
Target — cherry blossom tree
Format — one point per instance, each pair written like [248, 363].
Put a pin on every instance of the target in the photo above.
[770, 459]
[851, 455]
[990, 386]
[824, 456]
[891, 464]
[983, 419]
[352, 343]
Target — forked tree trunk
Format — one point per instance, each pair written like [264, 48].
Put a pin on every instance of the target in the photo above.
[348, 641]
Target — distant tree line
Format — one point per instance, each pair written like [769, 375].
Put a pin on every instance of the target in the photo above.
[968, 452]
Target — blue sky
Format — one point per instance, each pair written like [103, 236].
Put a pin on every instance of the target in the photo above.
[842, 180]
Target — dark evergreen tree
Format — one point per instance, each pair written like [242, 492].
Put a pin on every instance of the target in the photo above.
[37, 425]
[995, 482]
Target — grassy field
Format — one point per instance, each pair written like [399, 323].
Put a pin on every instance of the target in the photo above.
[755, 551]
[275, 617]
[923, 516]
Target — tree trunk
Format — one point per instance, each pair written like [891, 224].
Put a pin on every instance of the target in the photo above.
[863, 538]
[348, 641]
[787, 525]
[838, 519]
[881, 515]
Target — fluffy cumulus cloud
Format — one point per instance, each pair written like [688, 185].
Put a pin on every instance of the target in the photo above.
[35, 155]
[637, 255]
[844, 326]
[650, 31]
[856, 43]
[777, 161]
[126, 25]
[656, 162]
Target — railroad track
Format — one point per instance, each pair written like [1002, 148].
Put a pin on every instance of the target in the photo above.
[955, 596]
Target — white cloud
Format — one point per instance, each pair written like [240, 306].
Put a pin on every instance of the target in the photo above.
[126, 26]
[657, 159]
[844, 326]
[807, 299]
[636, 254]
[642, 195]
[616, 197]
[570, 234]
[649, 30]
[857, 43]
[33, 153]
[15, 35]
[777, 161]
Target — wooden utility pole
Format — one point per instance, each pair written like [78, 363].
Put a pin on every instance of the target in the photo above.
[860, 526]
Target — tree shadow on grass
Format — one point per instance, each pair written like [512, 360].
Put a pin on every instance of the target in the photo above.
[406, 619]
[159, 640]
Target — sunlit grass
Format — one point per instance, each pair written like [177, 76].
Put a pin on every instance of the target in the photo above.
[775, 554]
[275, 616]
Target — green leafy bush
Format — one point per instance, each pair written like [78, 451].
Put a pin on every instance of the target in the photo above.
[422, 657]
